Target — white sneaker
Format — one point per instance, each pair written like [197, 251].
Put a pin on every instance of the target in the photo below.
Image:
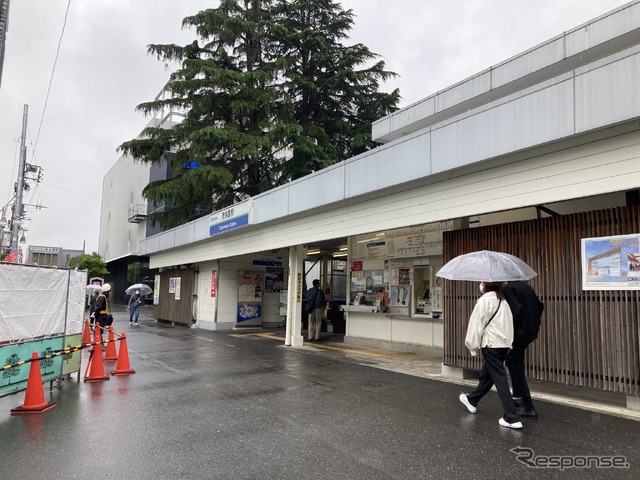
[504, 423]
[465, 401]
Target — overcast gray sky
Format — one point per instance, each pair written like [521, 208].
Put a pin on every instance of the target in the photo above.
[103, 72]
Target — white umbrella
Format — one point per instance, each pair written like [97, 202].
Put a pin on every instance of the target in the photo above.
[144, 289]
[486, 266]
[91, 289]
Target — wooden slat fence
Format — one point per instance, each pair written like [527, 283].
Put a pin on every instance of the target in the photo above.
[587, 338]
[181, 310]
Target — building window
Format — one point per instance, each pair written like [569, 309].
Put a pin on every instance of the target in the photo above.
[45, 259]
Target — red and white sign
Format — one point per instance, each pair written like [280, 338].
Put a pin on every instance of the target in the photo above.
[214, 283]
[356, 266]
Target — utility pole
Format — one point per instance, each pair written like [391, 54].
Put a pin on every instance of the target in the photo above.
[17, 211]
[4, 26]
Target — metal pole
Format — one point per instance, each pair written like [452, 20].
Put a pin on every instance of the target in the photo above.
[17, 212]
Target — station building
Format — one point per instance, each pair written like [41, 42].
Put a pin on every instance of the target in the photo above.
[536, 156]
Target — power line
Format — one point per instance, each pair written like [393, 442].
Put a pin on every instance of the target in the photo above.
[55, 62]
[71, 192]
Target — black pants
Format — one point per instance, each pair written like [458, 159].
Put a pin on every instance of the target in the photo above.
[515, 364]
[105, 320]
[493, 372]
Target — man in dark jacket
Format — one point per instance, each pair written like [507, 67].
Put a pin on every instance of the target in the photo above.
[315, 308]
[527, 309]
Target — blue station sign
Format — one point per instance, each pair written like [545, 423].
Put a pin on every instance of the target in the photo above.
[230, 218]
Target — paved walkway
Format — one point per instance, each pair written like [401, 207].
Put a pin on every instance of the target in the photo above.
[430, 366]
[239, 405]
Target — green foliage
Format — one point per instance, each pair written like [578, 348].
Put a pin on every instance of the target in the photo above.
[133, 273]
[336, 96]
[270, 94]
[92, 262]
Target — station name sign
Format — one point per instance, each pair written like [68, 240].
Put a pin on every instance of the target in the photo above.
[231, 218]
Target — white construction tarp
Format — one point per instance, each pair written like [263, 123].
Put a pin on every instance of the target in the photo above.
[76, 301]
[38, 302]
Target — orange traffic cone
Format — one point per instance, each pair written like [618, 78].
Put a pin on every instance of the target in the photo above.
[86, 335]
[111, 353]
[122, 365]
[96, 372]
[34, 401]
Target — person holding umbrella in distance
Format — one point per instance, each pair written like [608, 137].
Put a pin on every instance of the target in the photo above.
[137, 291]
[490, 327]
[134, 307]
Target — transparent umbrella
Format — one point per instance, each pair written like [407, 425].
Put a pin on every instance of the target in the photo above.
[486, 266]
[144, 289]
[91, 289]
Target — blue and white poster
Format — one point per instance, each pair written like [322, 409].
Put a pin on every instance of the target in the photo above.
[611, 263]
[249, 311]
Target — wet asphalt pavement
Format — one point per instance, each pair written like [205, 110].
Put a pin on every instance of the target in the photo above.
[222, 405]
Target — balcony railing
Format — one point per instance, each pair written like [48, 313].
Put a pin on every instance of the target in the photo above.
[137, 213]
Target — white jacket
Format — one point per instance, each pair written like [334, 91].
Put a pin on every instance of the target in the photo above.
[498, 334]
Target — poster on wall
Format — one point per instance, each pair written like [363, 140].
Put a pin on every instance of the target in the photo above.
[404, 276]
[399, 296]
[250, 290]
[177, 287]
[156, 290]
[611, 263]
[274, 276]
[282, 304]
[249, 311]
[358, 282]
[172, 285]
[250, 287]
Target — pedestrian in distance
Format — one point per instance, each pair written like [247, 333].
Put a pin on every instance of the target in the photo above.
[491, 330]
[134, 307]
[103, 317]
[527, 310]
[315, 308]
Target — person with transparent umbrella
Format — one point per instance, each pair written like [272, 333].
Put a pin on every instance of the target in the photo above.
[134, 307]
[491, 330]
[491, 324]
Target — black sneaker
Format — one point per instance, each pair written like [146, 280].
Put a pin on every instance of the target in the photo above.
[528, 412]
